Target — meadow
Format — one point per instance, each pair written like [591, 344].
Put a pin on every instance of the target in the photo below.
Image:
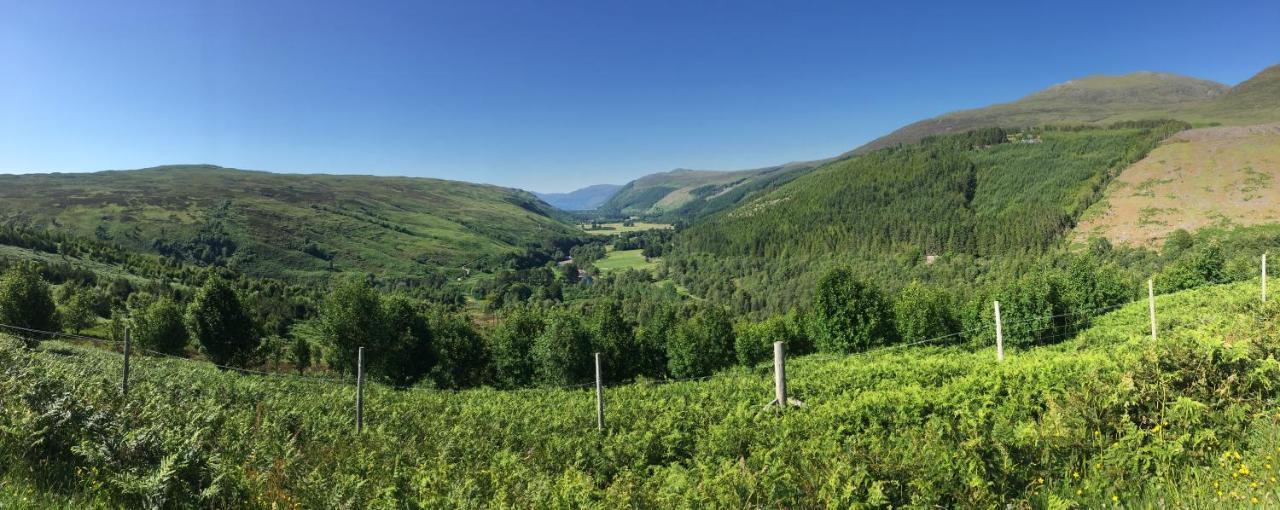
[625, 259]
[1108, 416]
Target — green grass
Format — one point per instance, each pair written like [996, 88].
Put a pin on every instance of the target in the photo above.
[619, 227]
[941, 426]
[625, 259]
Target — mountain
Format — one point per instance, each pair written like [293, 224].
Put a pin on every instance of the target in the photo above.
[287, 225]
[683, 194]
[1210, 177]
[584, 199]
[1104, 99]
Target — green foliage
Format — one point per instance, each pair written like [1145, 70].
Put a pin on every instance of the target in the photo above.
[562, 352]
[614, 338]
[300, 354]
[753, 341]
[159, 327]
[922, 312]
[352, 317]
[851, 314]
[25, 302]
[1108, 413]
[410, 353]
[512, 344]
[217, 320]
[462, 358]
[80, 309]
[701, 344]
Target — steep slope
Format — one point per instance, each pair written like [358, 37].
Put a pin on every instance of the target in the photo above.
[1222, 176]
[584, 199]
[283, 225]
[967, 193]
[1104, 99]
[689, 194]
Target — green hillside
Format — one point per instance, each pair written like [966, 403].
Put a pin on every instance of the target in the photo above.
[285, 225]
[691, 194]
[974, 193]
[1105, 99]
[1185, 421]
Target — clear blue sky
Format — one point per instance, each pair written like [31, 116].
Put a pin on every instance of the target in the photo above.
[553, 95]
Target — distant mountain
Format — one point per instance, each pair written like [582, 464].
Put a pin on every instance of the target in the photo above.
[1103, 99]
[584, 199]
[287, 225]
[684, 194]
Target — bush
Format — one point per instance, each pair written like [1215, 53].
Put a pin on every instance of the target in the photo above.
[562, 353]
[615, 340]
[159, 328]
[352, 317]
[218, 321]
[409, 351]
[753, 341]
[922, 313]
[511, 343]
[25, 302]
[851, 315]
[702, 344]
[462, 359]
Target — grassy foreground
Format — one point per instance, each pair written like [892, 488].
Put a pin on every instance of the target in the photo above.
[1189, 420]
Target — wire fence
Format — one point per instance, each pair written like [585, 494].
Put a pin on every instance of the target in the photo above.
[1059, 331]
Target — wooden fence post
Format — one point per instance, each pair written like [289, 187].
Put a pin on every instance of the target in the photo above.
[599, 395]
[999, 334]
[1151, 304]
[360, 390]
[780, 374]
[124, 386]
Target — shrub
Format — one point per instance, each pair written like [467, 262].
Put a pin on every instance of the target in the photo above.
[352, 317]
[409, 351]
[922, 312]
[462, 359]
[511, 343]
[218, 321]
[851, 315]
[562, 353]
[159, 328]
[25, 302]
[701, 344]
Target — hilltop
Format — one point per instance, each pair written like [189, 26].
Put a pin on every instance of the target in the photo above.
[1105, 99]
[287, 225]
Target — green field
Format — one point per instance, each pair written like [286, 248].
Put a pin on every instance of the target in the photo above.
[619, 227]
[1185, 421]
[625, 259]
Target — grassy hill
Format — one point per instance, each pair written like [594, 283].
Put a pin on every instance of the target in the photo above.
[1105, 99]
[284, 225]
[584, 199]
[691, 194]
[1220, 177]
[1187, 421]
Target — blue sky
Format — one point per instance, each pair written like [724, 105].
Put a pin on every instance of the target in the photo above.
[554, 95]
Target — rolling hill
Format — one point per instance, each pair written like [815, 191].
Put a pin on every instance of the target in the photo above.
[1104, 99]
[584, 199]
[1219, 177]
[286, 225]
[683, 194]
